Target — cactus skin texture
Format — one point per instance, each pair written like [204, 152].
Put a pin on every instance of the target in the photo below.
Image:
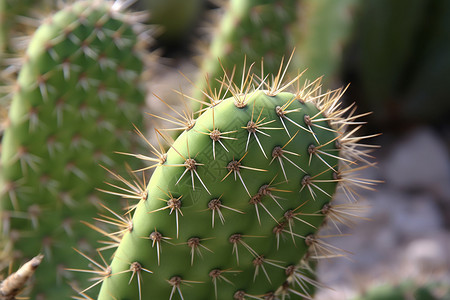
[233, 208]
[249, 29]
[67, 114]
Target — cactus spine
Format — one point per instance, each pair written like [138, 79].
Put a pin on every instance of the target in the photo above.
[233, 208]
[76, 95]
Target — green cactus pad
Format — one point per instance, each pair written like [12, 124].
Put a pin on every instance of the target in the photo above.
[75, 100]
[233, 208]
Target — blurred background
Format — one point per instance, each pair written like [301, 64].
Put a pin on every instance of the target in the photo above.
[396, 57]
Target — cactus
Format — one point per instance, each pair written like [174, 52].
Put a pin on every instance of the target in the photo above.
[249, 29]
[76, 97]
[8, 20]
[233, 208]
[15, 19]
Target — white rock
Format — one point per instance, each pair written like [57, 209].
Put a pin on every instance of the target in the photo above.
[415, 216]
[419, 160]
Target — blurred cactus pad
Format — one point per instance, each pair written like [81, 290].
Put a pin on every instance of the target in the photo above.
[12, 15]
[74, 103]
[233, 208]
[399, 61]
[176, 19]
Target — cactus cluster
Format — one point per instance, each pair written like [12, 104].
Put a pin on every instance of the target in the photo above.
[233, 208]
[17, 22]
[75, 99]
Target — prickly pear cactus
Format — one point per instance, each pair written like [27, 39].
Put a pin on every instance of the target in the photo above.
[76, 98]
[233, 208]
[251, 29]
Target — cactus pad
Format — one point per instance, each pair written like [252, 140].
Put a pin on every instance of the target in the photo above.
[76, 97]
[233, 208]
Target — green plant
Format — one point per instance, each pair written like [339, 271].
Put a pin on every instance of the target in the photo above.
[233, 208]
[13, 285]
[76, 97]
[251, 29]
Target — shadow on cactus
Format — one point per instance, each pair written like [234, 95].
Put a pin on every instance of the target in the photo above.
[233, 208]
